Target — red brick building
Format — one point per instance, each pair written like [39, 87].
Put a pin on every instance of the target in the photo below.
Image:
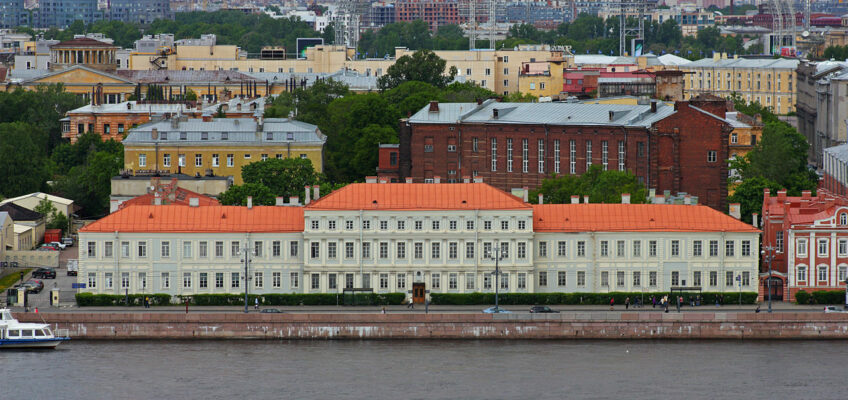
[514, 145]
[809, 237]
[435, 12]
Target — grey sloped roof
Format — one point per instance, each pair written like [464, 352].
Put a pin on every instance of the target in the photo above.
[757, 63]
[240, 131]
[839, 152]
[544, 113]
[184, 76]
[354, 80]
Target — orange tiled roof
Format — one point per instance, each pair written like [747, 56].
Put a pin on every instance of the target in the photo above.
[418, 196]
[633, 218]
[179, 218]
[180, 197]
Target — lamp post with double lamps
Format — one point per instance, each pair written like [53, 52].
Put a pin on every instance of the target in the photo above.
[496, 254]
[246, 253]
[769, 252]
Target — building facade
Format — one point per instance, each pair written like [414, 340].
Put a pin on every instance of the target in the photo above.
[142, 12]
[13, 14]
[62, 13]
[822, 87]
[678, 148]
[770, 82]
[219, 147]
[418, 239]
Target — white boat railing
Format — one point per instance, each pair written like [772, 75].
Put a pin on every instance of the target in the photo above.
[62, 333]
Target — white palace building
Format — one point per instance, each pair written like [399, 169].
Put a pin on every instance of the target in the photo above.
[417, 238]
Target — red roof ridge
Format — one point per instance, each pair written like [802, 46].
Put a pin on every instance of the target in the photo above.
[183, 218]
[418, 196]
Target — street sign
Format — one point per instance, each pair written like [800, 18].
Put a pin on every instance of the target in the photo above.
[77, 286]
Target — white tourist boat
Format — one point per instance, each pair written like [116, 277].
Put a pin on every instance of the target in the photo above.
[14, 334]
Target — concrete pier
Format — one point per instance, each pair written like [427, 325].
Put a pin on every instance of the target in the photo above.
[568, 325]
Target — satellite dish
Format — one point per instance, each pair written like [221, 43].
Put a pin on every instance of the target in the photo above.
[805, 34]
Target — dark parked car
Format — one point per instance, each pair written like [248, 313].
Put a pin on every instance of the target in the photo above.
[32, 286]
[542, 309]
[270, 311]
[44, 273]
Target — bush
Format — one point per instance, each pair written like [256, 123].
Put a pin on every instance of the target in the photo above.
[91, 299]
[578, 298]
[293, 299]
[802, 297]
[829, 296]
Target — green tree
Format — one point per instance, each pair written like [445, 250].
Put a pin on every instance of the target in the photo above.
[601, 187]
[409, 97]
[236, 195]
[89, 182]
[190, 95]
[284, 177]
[423, 65]
[414, 35]
[54, 218]
[22, 159]
[749, 194]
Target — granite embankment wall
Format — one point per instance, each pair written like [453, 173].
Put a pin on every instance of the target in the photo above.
[590, 325]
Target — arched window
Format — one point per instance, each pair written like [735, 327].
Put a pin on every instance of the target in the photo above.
[843, 219]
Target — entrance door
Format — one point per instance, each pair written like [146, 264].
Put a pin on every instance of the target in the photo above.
[418, 293]
[776, 289]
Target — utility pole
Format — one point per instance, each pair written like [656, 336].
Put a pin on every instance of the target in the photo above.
[769, 252]
[246, 252]
[497, 255]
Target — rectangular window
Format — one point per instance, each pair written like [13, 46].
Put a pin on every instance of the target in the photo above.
[275, 248]
[453, 251]
[235, 249]
[675, 248]
[509, 155]
[522, 280]
[470, 284]
[604, 248]
[125, 280]
[713, 248]
[276, 279]
[92, 249]
[142, 160]
[543, 249]
[802, 274]
[619, 248]
[219, 280]
[203, 280]
[166, 160]
[543, 278]
[203, 249]
[504, 281]
[487, 225]
[561, 278]
[293, 248]
[331, 282]
[494, 154]
[619, 279]
[419, 250]
[294, 280]
[588, 154]
[822, 248]
[843, 249]
[652, 278]
[419, 225]
[696, 279]
[541, 151]
[235, 280]
[504, 225]
[230, 160]
[384, 225]
[258, 281]
[348, 250]
[728, 278]
[572, 156]
[181, 160]
[729, 248]
[504, 250]
[713, 278]
[366, 250]
[315, 281]
[452, 281]
[675, 278]
[435, 225]
[107, 249]
[165, 249]
[452, 225]
[746, 278]
[215, 160]
[435, 250]
[401, 250]
[142, 249]
[187, 280]
[521, 250]
[605, 154]
[556, 156]
[581, 278]
[257, 248]
[219, 249]
[581, 249]
[621, 155]
[435, 281]
[605, 279]
[401, 225]
[637, 248]
[198, 160]
[696, 248]
[469, 250]
[315, 251]
[166, 280]
[842, 274]
[637, 279]
[384, 250]
[331, 250]
[652, 248]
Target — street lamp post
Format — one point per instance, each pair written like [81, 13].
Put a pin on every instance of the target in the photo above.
[846, 294]
[246, 253]
[496, 255]
[770, 252]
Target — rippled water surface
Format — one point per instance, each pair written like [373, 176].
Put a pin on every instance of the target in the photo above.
[428, 370]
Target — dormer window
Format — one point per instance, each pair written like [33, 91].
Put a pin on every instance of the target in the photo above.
[163, 136]
[289, 135]
[225, 135]
[183, 136]
[204, 135]
[269, 136]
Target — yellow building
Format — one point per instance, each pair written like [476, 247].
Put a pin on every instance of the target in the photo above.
[496, 70]
[541, 78]
[747, 132]
[219, 147]
[771, 82]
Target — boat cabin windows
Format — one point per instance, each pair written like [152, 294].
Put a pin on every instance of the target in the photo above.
[14, 333]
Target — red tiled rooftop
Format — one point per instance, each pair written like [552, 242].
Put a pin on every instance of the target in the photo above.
[633, 218]
[180, 218]
[182, 197]
[418, 196]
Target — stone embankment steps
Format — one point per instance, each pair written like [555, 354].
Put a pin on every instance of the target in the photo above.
[570, 325]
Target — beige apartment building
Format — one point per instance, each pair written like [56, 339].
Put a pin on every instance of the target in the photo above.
[496, 70]
[771, 82]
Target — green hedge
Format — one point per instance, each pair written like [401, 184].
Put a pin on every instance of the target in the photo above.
[577, 298]
[91, 299]
[820, 297]
[294, 299]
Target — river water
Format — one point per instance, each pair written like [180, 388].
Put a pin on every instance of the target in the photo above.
[428, 370]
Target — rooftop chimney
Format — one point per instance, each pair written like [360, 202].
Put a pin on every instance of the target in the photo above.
[781, 195]
[755, 220]
[466, 179]
[478, 179]
[735, 210]
[495, 113]
[154, 133]
[653, 106]
[575, 199]
[541, 198]
[281, 201]
[806, 194]
[249, 202]
[659, 199]
[625, 198]
[437, 179]
[687, 200]
[383, 180]
[157, 201]
[306, 198]
[316, 192]
[585, 199]
[370, 179]
[526, 191]
[294, 201]
[434, 106]
[193, 202]
[409, 179]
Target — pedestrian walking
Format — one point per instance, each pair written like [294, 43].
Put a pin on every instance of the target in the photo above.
[627, 303]
[146, 302]
[255, 303]
[384, 309]
[758, 309]
[653, 302]
[411, 304]
[612, 303]
[427, 306]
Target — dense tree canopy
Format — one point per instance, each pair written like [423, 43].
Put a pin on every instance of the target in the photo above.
[423, 66]
[23, 167]
[601, 187]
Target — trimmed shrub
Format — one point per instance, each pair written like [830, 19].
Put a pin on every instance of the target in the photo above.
[802, 297]
[707, 298]
[293, 299]
[95, 300]
[829, 296]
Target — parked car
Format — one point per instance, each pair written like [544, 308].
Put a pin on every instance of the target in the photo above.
[47, 248]
[73, 267]
[60, 245]
[496, 310]
[68, 241]
[542, 309]
[834, 309]
[44, 273]
[32, 286]
[270, 311]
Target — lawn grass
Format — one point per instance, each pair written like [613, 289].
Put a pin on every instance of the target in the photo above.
[12, 278]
